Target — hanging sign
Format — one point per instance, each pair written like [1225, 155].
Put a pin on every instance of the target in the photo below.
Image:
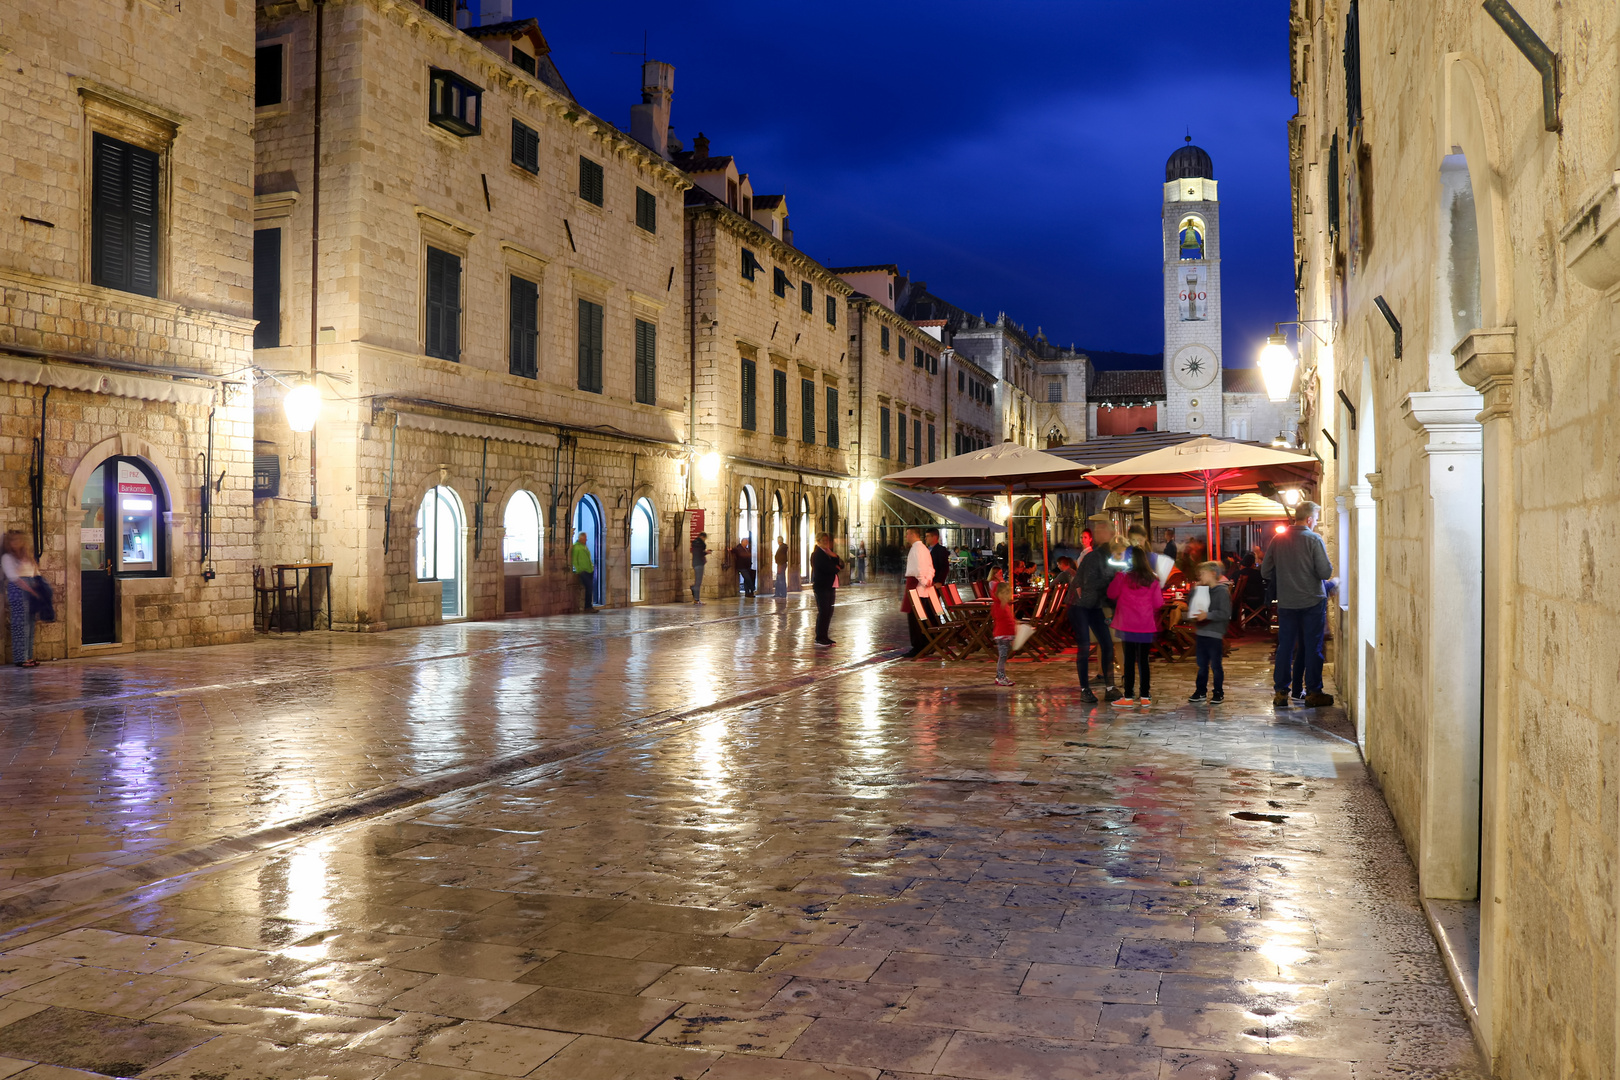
[696, 514]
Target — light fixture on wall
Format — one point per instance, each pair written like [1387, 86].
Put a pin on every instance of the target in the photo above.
[303, 406]
[868, 489]
[1290, 497]
[709, 466]
[1277, 364]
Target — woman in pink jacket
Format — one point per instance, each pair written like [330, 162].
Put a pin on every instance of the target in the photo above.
[1138, 597]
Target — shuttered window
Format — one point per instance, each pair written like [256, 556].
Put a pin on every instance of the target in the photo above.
[750, 418]
[443, 337]
[523, 61]
[807, 403]
[832, 311]
[590, 181]
[900, 347]
[525, 147]
[1352, 66]
[883, 432]
[267, 288]
[779, 402]
[524, 325]
[806, 300]
[1333, 188]
[916, 442]
[901, 444]
[444, 9]
[930, 443]
[781, 283]
[646, 362]
[267, 67]
[124, 217]
[832, 417]
[590, 346]
[883, 338]
[646, 210]
[750, 265]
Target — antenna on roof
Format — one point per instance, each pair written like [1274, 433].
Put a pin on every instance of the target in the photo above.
[642, 53]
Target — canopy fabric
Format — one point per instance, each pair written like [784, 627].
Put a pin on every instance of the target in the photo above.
[1006, 468]
[1162, 510]
[940, 507]
[1206, 464]
[1250, 506]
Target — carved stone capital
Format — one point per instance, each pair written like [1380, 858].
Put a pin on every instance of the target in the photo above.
[1485, 362]
[1450, 418]
[1591, 239]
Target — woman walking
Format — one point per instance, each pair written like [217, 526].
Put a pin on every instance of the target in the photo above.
[22, 596]
[1137, 596]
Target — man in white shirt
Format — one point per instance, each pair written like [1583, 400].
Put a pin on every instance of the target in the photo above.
[919, 576]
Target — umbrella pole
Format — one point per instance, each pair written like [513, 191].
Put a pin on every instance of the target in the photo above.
[1046, 566]
[1214, 518]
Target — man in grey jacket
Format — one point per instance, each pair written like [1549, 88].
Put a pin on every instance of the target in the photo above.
[1296, 565]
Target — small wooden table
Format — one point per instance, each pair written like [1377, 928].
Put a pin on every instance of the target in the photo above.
[302, 573]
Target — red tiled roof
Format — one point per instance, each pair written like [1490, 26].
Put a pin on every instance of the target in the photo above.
[1242, 380]
[1126, 384]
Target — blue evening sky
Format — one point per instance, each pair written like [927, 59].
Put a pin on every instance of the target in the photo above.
[1011, 154]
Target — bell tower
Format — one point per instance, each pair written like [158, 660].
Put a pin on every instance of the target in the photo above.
[1192, 294]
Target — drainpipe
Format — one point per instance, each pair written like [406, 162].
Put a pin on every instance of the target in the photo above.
[691, 347]
[945, 408]
[857, 319]
[315, 243]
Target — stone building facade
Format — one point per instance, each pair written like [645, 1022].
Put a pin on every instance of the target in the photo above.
[497, 320]
[774, 388]
[1456, 211]
[125, 331]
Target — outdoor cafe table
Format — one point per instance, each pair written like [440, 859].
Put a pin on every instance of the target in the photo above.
[301, 573]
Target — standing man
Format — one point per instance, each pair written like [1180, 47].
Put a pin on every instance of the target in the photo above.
[941, 556]
[700, 561]
[860, 562]
[1086, 617]
[1297, 565]
[919, 576]
[742, 557]
[579, 559]
[824, 567]
[780, 589]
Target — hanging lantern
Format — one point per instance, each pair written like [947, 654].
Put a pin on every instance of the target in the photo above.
[303, 405]
[1277, 368]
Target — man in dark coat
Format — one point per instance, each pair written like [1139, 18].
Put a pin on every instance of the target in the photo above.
[824, 568]
[1087, 594]
[742, 558]
[1296, 565]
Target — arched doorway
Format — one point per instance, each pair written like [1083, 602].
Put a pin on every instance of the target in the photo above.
[121, 535]
[439, 555]
[748, 529]
[521, 551]
[779, 528]
[643, 544]
[588, 519]
[807, 538]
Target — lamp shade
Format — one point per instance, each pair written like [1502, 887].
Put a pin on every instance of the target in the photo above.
[303, 405]
[1277, 368]
[709, 465]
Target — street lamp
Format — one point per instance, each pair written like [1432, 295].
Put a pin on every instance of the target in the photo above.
[868, 489]
[303, 405]
[709, 466]
[1277, 367]
[1290, 497]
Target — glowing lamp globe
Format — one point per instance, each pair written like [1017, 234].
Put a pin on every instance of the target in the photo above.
[868, 489]
[1277, 368]
[303, 405]
[709, 466]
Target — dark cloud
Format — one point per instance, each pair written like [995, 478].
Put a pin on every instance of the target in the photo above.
[1010, 154]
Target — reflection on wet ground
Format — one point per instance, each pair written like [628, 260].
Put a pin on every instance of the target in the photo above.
[125, 757]
[899, 872]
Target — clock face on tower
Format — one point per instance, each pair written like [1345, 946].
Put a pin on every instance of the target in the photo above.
[1195, 367]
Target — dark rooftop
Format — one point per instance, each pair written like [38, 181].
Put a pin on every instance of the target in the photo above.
[1126, 384]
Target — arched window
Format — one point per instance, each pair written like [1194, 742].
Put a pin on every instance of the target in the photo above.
[1191, 237]
[643, 534]
[748, 516]
[438, 546]
[588, 519]
[807, 538]
[523, 531]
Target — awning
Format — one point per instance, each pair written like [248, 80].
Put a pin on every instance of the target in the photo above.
[940, 507]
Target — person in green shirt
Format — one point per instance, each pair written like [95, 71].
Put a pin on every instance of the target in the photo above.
[579, 560]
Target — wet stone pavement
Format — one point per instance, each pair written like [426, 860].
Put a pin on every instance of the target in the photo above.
[888, 870]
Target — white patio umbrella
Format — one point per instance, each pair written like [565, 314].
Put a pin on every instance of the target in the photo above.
[1250, 506]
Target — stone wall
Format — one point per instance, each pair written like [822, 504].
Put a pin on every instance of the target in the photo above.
[1480, 477]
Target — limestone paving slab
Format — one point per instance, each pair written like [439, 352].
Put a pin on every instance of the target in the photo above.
[651, 915]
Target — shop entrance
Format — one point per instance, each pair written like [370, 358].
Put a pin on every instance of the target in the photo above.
[119, 537]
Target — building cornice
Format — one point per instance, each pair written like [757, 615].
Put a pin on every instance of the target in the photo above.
[780, 249]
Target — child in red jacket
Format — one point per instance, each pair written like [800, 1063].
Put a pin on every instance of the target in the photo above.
[1138, 597]
[1003, 627]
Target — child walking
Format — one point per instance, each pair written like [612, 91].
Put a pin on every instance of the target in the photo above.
[1003, 627]
[1137, 596]
[1211, 629]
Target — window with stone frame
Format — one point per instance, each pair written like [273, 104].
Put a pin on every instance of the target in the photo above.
[523, 326]
[590, 346]
[442, 337]
[781, 283]
[750, 416]
[832, 417]
[646, 210]
[124, 226]
[591, 181]
[883, 431]
[900, 445]
[779, 403]
[807, 301]
[883, 338]
[832, 310]
[807, 404]
[646, 362]
[525, 147]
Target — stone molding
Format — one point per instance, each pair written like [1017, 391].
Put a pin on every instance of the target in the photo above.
[1485, 361]
[427, 213]
[1361, 497]
[1591, 239]
[1450, 418]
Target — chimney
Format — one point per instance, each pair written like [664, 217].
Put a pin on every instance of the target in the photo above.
[649, 121]
[700, 145]
[493, 11]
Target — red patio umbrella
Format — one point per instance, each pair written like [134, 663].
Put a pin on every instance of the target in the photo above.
[1208, 466]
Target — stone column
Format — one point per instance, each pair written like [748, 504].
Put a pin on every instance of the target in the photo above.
[1364, 636]
[1485, 362]
[1448, 838]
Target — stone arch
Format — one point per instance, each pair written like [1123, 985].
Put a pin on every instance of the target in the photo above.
[1470, 126]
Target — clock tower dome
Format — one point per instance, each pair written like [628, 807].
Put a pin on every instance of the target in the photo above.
[1192, 294]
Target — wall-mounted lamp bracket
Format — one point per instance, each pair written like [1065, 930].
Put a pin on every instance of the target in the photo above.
[1543, 59]
[1394, 323]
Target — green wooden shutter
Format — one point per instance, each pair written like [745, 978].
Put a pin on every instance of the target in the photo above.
[267, 288]
[916, 442]
[806, 300]
[590, 181]
[832, 416]
[646, 210]
[779, 402]
[750, 418]
[807, 402]
[930, 443]
[443, 337]
[901, 444]
[646, 362]
[832, 311]
[524, 327]
[883, 432]
[590, 346]
[124, 217]
[525, 147]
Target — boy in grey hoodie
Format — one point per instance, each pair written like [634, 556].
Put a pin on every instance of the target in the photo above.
[1211, 629]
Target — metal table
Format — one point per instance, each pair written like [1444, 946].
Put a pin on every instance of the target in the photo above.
[302, 573]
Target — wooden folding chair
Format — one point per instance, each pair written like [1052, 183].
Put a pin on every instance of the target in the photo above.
[938, 633]
[1052, 633]
[981, 590]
